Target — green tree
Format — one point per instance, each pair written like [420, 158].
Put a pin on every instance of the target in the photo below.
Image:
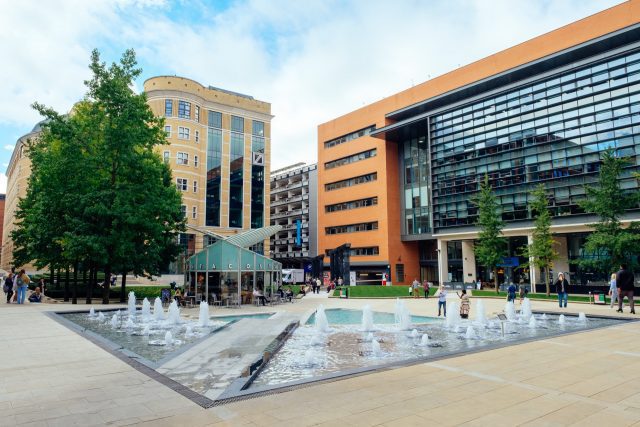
[490, 247]
[610, 244]
[541, 251]
[96, 169]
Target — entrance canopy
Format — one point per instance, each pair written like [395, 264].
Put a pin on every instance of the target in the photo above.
[226, 256]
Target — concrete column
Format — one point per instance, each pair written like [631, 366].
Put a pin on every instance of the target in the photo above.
[535, 275]
[561, 263]
[443, 262]
[468, 262]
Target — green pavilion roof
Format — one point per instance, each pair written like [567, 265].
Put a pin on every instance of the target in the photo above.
[227, 256]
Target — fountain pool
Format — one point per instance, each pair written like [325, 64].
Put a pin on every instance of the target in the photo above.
[346, 348]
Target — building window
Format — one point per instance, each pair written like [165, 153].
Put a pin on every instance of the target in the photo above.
[168, 107]
[352, 228]
[184, 109]
[237, 124]
[194, 212]
[195, 186]
[213, 166]
[182, 159]
[166, 156]
[182, 184]
[363, 179]
[195, 161]
[183, 209]
[399, 272]
[197, 114]
[349, 137]
[355, 204]
[183, 133]
[215, 119]
[167, 131]
[350, 159]
[364, 251]
[197, 136]
[257, 136]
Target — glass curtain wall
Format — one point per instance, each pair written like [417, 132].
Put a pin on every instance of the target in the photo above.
[551, 131]
[415, 169]
[236, 172]
[257, 174]
[214, 169]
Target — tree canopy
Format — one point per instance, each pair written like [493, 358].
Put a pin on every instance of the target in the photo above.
[98, 193]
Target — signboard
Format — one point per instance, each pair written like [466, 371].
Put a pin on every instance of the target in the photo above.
[352, 278]
[510, 262]
[308, 268]
[326, 278]
[502, 317]
[298, 232]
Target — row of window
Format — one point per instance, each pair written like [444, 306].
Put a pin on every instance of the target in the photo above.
[183, 133]
[349, 137]
[184, 110]
[362, 179]
[214, 118]
[350, 159]
[183, 184]
[355, 204]
[362, 251]
[352, 228]
[181, 158]
[194, 211]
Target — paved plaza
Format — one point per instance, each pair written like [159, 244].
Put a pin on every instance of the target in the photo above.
[51, 376]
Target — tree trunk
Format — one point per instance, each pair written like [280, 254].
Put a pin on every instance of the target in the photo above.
[495, 280]
[74, 299]
[67, 279]
[66, 286]
[88, 285]
[124, 286]
[546, 280]
[107, 284]
[52, 278]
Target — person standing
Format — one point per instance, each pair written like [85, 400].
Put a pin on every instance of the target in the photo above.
[426, 287]
[8, 286]
[416, 287]
[625, 284]
[318, 285]
[511, 293]
[613, 290]
[464, 304]
[442, 300]
[562, 288]
[23, 285]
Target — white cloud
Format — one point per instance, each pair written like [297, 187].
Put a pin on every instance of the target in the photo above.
[313, 60]
[9, 147]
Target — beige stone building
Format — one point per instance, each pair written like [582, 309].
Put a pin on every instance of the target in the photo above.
[219, 152]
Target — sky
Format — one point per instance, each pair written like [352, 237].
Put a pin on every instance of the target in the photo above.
[312, 60]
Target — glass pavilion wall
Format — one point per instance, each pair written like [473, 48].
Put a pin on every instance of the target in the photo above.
[229, 273]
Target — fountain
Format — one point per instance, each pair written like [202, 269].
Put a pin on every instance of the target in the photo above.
[402, 316]
[453, 318]
[92, 312]
[424, 341]
[367, 318]
[147, 330]
[146, 309]
[168, 338]
[375, 348]
[309, 357]
[317, 339]
[322, 324]
[368, 337]
[114, 321]
[471, 333]
[532, 322]
[414, 333]
[188, 332]
[582, 317]
[129, 324]
[525, 310]
[132, 304]
[158, 311]
[481, 317]
[510, 311]
[561, 319]
[173, 317]
[203, 319]
[544, 316]
[100, 316]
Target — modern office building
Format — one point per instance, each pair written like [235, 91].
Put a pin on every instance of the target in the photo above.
[18, 173]
[405, 169]
[219, 151]
[294, 206]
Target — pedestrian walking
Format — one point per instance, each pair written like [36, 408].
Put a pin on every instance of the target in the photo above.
[562, 288]
[511, 293]
[625, 283]
[442, 300]
[416, 288]
[613, 290]
[8, 287]
[464, 304]
[23, 285]
[426, 285]
[318, 285]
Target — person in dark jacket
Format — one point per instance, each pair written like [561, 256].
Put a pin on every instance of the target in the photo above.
[625, 283]
[562, 288]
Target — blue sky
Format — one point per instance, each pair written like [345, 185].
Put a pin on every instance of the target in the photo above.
[312, 60]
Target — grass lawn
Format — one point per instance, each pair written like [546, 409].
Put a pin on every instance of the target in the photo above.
[553, 296]
[372, 291]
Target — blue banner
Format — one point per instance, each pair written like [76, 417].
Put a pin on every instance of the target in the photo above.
[298, 232]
